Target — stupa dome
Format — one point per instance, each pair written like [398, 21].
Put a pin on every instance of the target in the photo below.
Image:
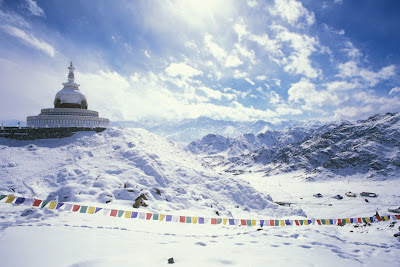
[70, 96]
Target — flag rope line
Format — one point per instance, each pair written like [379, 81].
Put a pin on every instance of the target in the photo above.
[38, 203]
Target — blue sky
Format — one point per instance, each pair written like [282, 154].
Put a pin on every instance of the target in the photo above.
[234, 60]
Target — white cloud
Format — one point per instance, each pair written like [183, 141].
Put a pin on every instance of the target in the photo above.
[274, 98]
[285, 109]
[305, 91]
[351, 51]
[183, 70]
[261, 78]
[367, 104]
[13, 19]
[30, 40]
[252, 3]
[34, 9]
[239, 74]
[292, 11]
[341, 86]
[246, 53]
[394, 90]
[350, 69]
[227, 60]
[249, 81]
[146, 53]
[233, 61]
[303, 46]
[277, 82]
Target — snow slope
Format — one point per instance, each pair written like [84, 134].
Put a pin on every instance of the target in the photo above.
[118, 166]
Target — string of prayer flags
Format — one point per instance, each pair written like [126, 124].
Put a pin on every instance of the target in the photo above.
[33, 202]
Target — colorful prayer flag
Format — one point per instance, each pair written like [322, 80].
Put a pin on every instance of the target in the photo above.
[36, 202]
[91, 210]
[52, 205]
[10, 199]
[76, 208]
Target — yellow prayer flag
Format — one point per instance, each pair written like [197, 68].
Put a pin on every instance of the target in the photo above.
[52, 205]
[224, 221]
[305, 222]
[282, 222]
[327, 222]
[91, 210]
[253, 222]
[161, 217]
[367, 219]
[194, 219]
[128, 214]
[348, 220]
[386, 218]
[10, 199]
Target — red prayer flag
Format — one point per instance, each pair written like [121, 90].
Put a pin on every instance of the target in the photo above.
[114, 213]
[76, 207]
[379, 218]
[243, 222]
[271, 222]
[182, 219]
[297, 222]
[148, 216]
[319, 222]
[397, 217]
[359, 220]
[36, 203]
[213, 220]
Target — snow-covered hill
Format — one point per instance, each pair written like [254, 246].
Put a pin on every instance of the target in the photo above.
[188, 130]
[124, 167]
[370, 148]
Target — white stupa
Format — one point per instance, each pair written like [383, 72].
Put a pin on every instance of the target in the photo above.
[70, 109]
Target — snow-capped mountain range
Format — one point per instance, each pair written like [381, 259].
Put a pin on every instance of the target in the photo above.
[188, 130]
[370, 148]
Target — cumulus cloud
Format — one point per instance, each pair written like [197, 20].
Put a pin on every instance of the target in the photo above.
[367, 104]
[303, 46]
[305, 91]
[30, 40]
[350, 69]
[292, 11]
